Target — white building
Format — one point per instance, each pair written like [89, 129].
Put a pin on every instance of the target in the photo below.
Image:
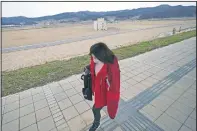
[100, 24]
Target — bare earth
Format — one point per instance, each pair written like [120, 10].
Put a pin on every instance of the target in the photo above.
[26, 58]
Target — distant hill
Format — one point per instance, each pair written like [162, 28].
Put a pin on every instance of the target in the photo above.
[162, 11]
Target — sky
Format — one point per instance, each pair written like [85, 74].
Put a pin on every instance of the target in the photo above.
[37, 9]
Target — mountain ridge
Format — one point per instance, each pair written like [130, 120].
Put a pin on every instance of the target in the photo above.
[161, 11]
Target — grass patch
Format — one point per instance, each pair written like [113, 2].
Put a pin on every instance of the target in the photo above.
[25, 78]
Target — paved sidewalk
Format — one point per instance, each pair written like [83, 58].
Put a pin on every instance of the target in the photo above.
[158, 92]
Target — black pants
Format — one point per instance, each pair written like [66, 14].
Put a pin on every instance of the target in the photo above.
[97, 113]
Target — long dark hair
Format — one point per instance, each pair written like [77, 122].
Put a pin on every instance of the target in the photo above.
[102, 52]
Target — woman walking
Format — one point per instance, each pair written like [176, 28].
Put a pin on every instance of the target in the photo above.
[105, 75]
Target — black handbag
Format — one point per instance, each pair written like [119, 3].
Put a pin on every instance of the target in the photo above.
[86, 77]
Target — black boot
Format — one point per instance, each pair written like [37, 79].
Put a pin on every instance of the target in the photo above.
[94, 126]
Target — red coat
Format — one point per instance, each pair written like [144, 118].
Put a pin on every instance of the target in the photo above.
[102, 96]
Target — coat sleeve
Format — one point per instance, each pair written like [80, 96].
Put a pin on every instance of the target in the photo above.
[113, 95]
[114, 77]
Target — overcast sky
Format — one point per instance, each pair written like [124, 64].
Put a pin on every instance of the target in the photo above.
[36, 9]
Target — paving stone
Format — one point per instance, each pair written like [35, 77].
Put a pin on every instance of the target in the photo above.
[184, 82]
[46, 124]
[40, 104]
[50, 98]
[167, 122]
[189, 96]
[25, 94]
[193, 114]
[49, 95]
[176, 114]
[60, 96]
[134, 72]
[192, 91]
[172, 93]
[128, 74]
[71, 78]
[43, 113]
[187, 102]
[123, 78]
[71, 92]
[54, 108]
[131, 81]
[128, 69]
[146, 83]
[27, 120]
[165, 99]
[148, 73]
[75, 83]
[79, 88]
[194, 86]
[11, 106]
[64, 81]
[55, 111]
[26, 110]
[54, 84]
[56, 90]
[64, 104]
[143, 76]
[12, 98]
[138, 78]
[191, 123]
[57, 114]
[118, 129]
[26, 101]
[66, 86]
[37, 90]
[76, 124]
[11, 126]
[62, 126]
[183, 108]
[76, 99]
[127, 94]
[38, 97]
[147, 115]
[58, 118]
[184, 128]
[159, 104]
[103, 114]
[3, 108]
[154, 70]
[31, 128]
[140, 86]
[70, 113]
[88, 117]
[159, 78]
[10, 116]
[152, 80]
[90, 103]
[125, 85]
[151, 110]
[53, 105]
[65, 129]
[60, 122]
[109, 127]
[82, 107]
[3, 101]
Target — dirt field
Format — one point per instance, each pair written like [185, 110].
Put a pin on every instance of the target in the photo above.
[36, 36]
[26, 58]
